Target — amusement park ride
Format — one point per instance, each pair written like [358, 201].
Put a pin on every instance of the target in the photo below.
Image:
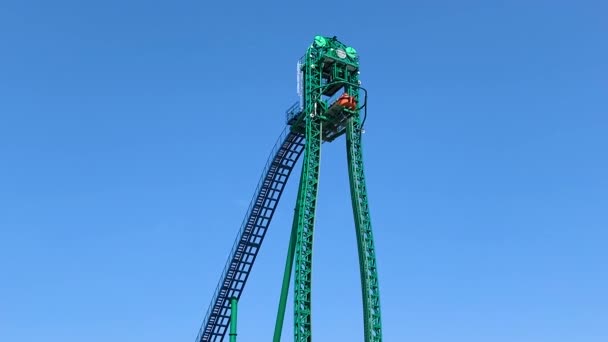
[330, 105]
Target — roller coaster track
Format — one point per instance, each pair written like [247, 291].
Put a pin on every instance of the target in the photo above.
[279, 166]
[332, 103]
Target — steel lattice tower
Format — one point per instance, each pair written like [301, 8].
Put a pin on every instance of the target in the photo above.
[331, 105]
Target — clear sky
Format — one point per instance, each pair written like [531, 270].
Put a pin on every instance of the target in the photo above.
[133, 133]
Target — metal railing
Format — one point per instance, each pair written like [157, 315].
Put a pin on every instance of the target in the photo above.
[273, 154]
[293, 111]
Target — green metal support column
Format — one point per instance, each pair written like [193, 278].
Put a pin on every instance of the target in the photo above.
[278, 328]
[365, 240]
[233, 314]
[306, 221]
[307, 201]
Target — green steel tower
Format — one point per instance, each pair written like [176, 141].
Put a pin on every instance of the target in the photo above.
[332, 103]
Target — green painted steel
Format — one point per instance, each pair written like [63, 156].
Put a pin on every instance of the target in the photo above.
[307, 201]
[330, 66]
[320, 41]
[351, 52]
[372, 322]
[331, 106]
[233, 314]
[278, 328]
[365, 240]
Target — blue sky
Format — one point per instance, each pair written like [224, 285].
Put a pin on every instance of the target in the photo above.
[132, 135]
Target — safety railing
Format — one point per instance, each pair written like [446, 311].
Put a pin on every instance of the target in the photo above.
[235, 245]
[292, 112]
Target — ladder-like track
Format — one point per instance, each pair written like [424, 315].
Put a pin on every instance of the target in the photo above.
[283, 158]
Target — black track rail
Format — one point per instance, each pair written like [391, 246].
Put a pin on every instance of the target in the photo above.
[283, 158]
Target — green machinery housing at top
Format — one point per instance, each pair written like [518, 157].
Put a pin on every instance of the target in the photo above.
[328, 67]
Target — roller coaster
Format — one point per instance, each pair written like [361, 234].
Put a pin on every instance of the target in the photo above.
[331, 103]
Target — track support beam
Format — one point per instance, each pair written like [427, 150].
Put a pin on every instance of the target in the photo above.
[233, 314]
